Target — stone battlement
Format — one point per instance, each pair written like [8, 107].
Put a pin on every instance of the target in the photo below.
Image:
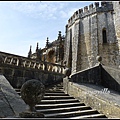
[89, 10]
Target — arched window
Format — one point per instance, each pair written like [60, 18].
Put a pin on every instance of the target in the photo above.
[104, 35]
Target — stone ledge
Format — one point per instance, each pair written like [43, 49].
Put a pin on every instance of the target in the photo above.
[95, 96]
[11, 103]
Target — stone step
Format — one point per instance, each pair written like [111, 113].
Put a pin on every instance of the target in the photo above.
[46, 106]
[57, 97]
[56, 94]
[89, 116]
[56, 86]
[64, 109]
[48, 92]
[17, 89]
[53, 95]
[58, 101]
[18, 92]
[55, 90]
[71, 114]
[57, 104]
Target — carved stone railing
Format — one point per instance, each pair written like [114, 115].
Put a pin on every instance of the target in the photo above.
[20, 61]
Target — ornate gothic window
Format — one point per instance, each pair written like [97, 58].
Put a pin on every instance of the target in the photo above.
[104, 35]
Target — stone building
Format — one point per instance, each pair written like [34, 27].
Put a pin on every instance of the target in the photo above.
[52, 52]
[91, 32]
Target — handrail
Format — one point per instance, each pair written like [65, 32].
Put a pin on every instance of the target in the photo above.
[20, 61]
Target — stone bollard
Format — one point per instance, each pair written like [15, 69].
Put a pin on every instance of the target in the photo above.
[67, 72]
[99, 59]
[32, 92]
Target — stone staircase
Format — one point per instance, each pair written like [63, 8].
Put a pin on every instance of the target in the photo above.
[57, 104]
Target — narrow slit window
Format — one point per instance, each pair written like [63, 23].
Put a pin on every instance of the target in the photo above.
[104, 36]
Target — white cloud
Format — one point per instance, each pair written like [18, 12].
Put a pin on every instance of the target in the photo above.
[36, 9]
[47, 10]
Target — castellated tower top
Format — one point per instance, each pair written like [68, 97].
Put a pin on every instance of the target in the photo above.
[91, 9]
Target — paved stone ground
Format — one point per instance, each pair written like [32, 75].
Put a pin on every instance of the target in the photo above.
[10, 102]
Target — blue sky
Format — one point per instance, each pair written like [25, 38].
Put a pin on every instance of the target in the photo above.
[25, 23]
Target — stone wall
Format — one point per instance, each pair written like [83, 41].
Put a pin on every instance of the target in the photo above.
[18, 75]
[91, 75]
[98, 87]
[99, 75]
[11, 103]
[104, 102]
[116, 6]
[18, 69]
[87, 39]
[110, 78]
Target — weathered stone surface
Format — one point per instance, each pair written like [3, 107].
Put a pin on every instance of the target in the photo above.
[84, 37]
[10, 102]
[32, 92]
[111, 78]
[67, 72]
[105, 100]
[99, 58]
[91, 75]
[18, 69]
[28, 114]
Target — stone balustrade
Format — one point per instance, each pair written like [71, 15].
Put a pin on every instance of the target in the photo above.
[20, 61]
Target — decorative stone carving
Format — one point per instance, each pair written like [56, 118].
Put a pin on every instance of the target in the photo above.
[67, 72]
[99, 58]
[32, 92]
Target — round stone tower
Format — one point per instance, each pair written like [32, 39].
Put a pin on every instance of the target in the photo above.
[116, 7]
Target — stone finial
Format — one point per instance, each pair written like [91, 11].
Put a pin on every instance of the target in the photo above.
[30, 52]
[67, 72]
[99, 58]
[59, 36]
[32, 92]
[47, 42]
[59, 33]
[37, 47]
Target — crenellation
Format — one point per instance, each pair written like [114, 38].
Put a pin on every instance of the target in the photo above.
[103, 3]
[76, 15]
[84, 12]
[96, 4]
[85, 9]
[88, 35]
[90, 7]
[90, 51]
[80, 11]
[76, 12]
[73, 17]
[69, 21]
